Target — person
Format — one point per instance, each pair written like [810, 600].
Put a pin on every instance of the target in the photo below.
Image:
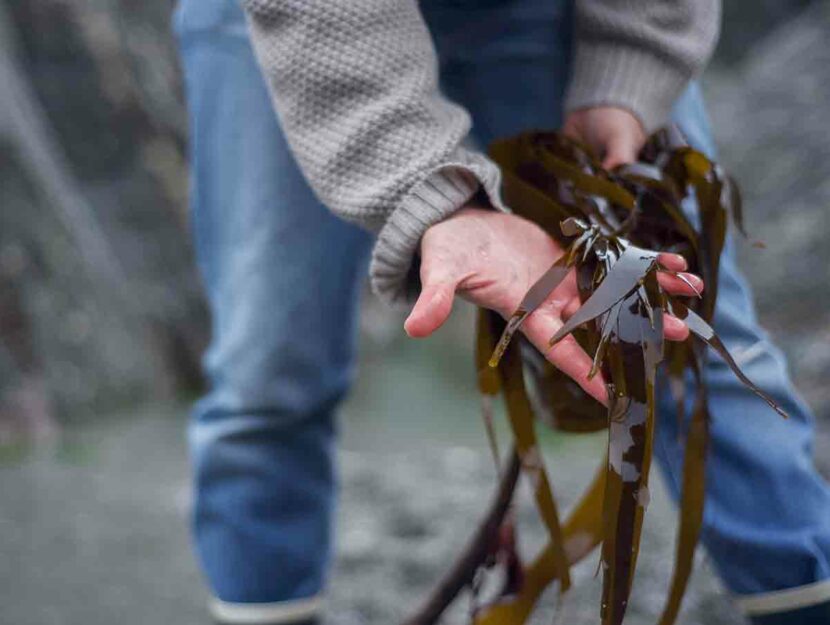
[383, 109]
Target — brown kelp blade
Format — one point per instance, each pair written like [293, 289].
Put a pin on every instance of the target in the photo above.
[624, 276]
[463, 570]
[522, 424]
[634, 353]
[609, 222]
[608, 324]
[587, 183]
[735, 203]
[691, 506]
[534, 298]
[704, 331]
[489, 383]
[652, 344]
[704, 177]
[582, 532]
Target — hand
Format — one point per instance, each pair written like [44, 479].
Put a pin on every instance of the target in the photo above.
[492, 259]
[615, 134]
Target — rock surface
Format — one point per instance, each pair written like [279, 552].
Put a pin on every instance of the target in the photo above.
[94, 254]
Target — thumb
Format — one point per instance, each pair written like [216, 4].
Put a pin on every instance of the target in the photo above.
[621, 149]
[431, 310]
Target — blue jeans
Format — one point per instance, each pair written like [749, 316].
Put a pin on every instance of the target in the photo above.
[283, 276]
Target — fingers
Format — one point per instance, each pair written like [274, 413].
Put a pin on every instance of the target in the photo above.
[432, 309]
[441, 271]
[686, 284]
[621, 149]
[566, 355]
[571, 128]
[674, 329]
[672, 262]
[569, 310]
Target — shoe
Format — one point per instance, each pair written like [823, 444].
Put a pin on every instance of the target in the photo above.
[817, 614]
[313, 621]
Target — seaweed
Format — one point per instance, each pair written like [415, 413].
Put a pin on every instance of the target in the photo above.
[612, 226]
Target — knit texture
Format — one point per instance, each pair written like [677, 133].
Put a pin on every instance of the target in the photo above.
[640, 54]
[355, 85]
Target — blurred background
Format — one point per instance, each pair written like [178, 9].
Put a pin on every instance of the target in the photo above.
[102, 324]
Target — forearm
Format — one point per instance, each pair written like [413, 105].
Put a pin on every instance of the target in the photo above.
[356, 88]
[640, 54]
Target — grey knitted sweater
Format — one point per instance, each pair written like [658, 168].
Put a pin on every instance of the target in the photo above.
[355, 85]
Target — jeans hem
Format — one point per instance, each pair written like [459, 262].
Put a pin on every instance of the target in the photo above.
[275, 613]
[784, 600]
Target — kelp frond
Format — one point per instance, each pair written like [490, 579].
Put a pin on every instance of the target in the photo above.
[612, 226]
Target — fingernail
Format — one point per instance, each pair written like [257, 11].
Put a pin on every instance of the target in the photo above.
[695, 280]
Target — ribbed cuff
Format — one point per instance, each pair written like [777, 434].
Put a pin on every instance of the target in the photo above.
[444, 190]
[630, 78]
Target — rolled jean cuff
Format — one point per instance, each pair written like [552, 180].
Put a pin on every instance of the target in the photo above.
[277, 613]
[760, 605]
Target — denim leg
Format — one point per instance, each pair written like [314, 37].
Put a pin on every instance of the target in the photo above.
[767, 521]
[506, 61]
[282, 277]
[767, 518]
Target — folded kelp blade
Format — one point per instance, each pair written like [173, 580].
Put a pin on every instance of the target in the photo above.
[625, 275]
[693, 496]
[537, 294]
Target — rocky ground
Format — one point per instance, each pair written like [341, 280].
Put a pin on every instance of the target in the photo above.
[94, 529]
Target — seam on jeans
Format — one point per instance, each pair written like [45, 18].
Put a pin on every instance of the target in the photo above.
[750, 353]
[784, 600]
[258, 613]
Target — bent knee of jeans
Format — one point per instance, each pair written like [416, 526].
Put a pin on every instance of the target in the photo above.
[283, 394]
[236, 423]
[252, 443]
[259, 367]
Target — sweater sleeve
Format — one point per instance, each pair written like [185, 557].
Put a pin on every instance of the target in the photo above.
[355, 85]
[640, 54]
